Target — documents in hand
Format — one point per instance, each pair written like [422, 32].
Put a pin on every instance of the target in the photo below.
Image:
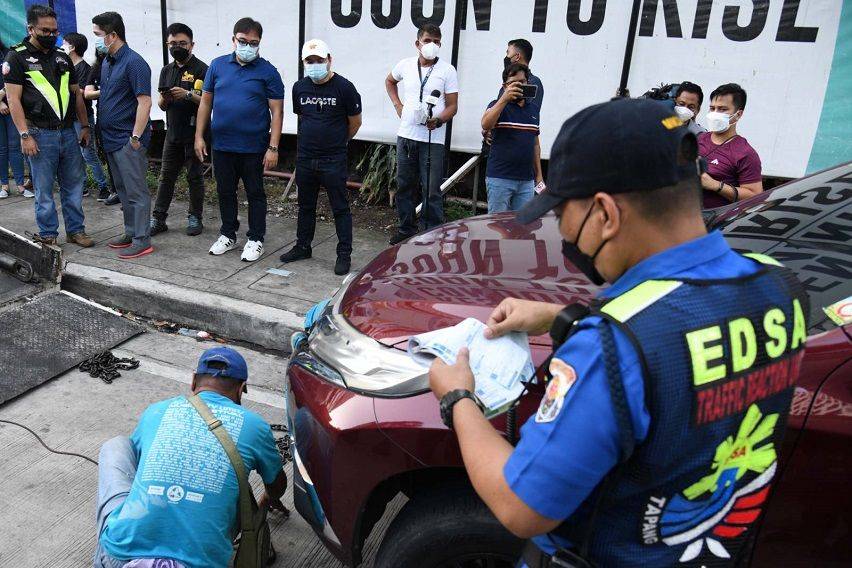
[498, 365]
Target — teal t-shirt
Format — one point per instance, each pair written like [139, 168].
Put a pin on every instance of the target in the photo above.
[183, 503]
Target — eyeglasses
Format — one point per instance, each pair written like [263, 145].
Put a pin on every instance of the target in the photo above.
[242, 43]
[47, 31]
[183, 44]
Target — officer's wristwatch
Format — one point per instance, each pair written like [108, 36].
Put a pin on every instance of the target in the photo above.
[188, 96]
[134, 138]
[449, 400]
[25, 135]
[272, 149]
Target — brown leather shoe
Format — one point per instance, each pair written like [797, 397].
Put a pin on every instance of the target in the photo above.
[44, 240]
[80, 239]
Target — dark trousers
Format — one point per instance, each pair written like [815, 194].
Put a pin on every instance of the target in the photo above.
[411, 158]
[228, 169]
[177, 155]
[330, 173]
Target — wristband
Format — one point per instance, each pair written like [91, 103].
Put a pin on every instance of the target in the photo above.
[721, 187]
[736, 194]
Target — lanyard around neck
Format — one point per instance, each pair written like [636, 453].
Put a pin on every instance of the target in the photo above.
[423, 79]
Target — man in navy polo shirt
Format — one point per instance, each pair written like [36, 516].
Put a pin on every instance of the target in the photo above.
[124, 110]
[329, 110]
[511, 172]
[245, 95]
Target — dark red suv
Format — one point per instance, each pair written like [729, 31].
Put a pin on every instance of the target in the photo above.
[366, 428]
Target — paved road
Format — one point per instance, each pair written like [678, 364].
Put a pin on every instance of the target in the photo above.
[47, 501]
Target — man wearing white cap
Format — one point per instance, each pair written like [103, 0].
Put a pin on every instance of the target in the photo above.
[329, 111]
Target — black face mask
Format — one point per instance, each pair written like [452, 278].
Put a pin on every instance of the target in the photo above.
[506, 62]
[46, 42]
[585, 263]
[179, 53]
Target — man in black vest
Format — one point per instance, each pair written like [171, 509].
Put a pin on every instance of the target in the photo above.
[665, 404]
[41, 86]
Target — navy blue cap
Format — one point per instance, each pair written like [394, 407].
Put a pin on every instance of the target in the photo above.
[223, 362]
[614, 147]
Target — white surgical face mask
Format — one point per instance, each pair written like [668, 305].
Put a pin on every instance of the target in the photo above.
[430, 51]
[717, 121]
[684, 113]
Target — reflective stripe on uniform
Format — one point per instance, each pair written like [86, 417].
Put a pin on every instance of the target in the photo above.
[627, 305]
[762, 258]
[57, 102]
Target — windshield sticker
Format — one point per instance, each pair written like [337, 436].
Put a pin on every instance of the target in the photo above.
[840, 312]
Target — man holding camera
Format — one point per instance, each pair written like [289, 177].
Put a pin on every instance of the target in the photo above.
[180, 93]
[511, 174]
[419, 115]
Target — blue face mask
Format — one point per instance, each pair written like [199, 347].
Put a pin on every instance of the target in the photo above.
[247, 53]
[100, 46]
[316, 71]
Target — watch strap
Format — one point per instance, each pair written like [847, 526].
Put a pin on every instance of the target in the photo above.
[449, 400]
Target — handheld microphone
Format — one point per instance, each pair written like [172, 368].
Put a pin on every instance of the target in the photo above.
[431, 101]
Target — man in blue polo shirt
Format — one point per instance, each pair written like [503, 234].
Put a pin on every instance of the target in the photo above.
[650, 428]
[124, 110]
[245, 96]
[169, 493]
[511, 172]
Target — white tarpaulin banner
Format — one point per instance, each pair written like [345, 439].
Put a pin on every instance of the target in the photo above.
[785, 53]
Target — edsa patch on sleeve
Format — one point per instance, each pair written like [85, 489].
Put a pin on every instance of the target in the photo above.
[562, 378]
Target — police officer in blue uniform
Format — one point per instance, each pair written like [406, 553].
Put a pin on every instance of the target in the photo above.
[656, 441]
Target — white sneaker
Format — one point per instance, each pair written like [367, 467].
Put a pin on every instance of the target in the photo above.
[4, 192]
[222, 245]
[252, 251]
[28, 193]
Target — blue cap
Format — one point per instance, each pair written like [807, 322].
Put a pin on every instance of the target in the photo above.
[223, 362]
[619, 146]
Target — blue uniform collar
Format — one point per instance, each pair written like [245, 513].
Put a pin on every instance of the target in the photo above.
[669, 262]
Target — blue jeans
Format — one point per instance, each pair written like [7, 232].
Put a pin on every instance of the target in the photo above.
[117, 465]
[411, 157]
[59, 158]
[508, 194]
[90, 154]
[10, 152]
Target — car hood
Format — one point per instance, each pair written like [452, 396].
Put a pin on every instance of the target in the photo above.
[459, 270]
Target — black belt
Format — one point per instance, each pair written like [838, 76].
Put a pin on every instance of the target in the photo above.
[534, 557]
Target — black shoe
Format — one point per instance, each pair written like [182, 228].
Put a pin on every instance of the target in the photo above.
[399, 237]
[343, 264]
[112, 199]
[294, 254]
[103, 194]
[158, 226]
[194, 226]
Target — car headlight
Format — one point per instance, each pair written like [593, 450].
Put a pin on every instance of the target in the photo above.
[343, 355]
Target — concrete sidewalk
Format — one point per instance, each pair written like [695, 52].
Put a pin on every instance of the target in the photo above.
[181, 282]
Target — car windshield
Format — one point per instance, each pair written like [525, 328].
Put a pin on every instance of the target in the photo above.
[807, 226]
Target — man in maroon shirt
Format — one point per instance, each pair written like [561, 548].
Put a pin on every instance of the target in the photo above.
[733, 167]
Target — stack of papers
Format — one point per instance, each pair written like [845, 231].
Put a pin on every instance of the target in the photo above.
[498, 365]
